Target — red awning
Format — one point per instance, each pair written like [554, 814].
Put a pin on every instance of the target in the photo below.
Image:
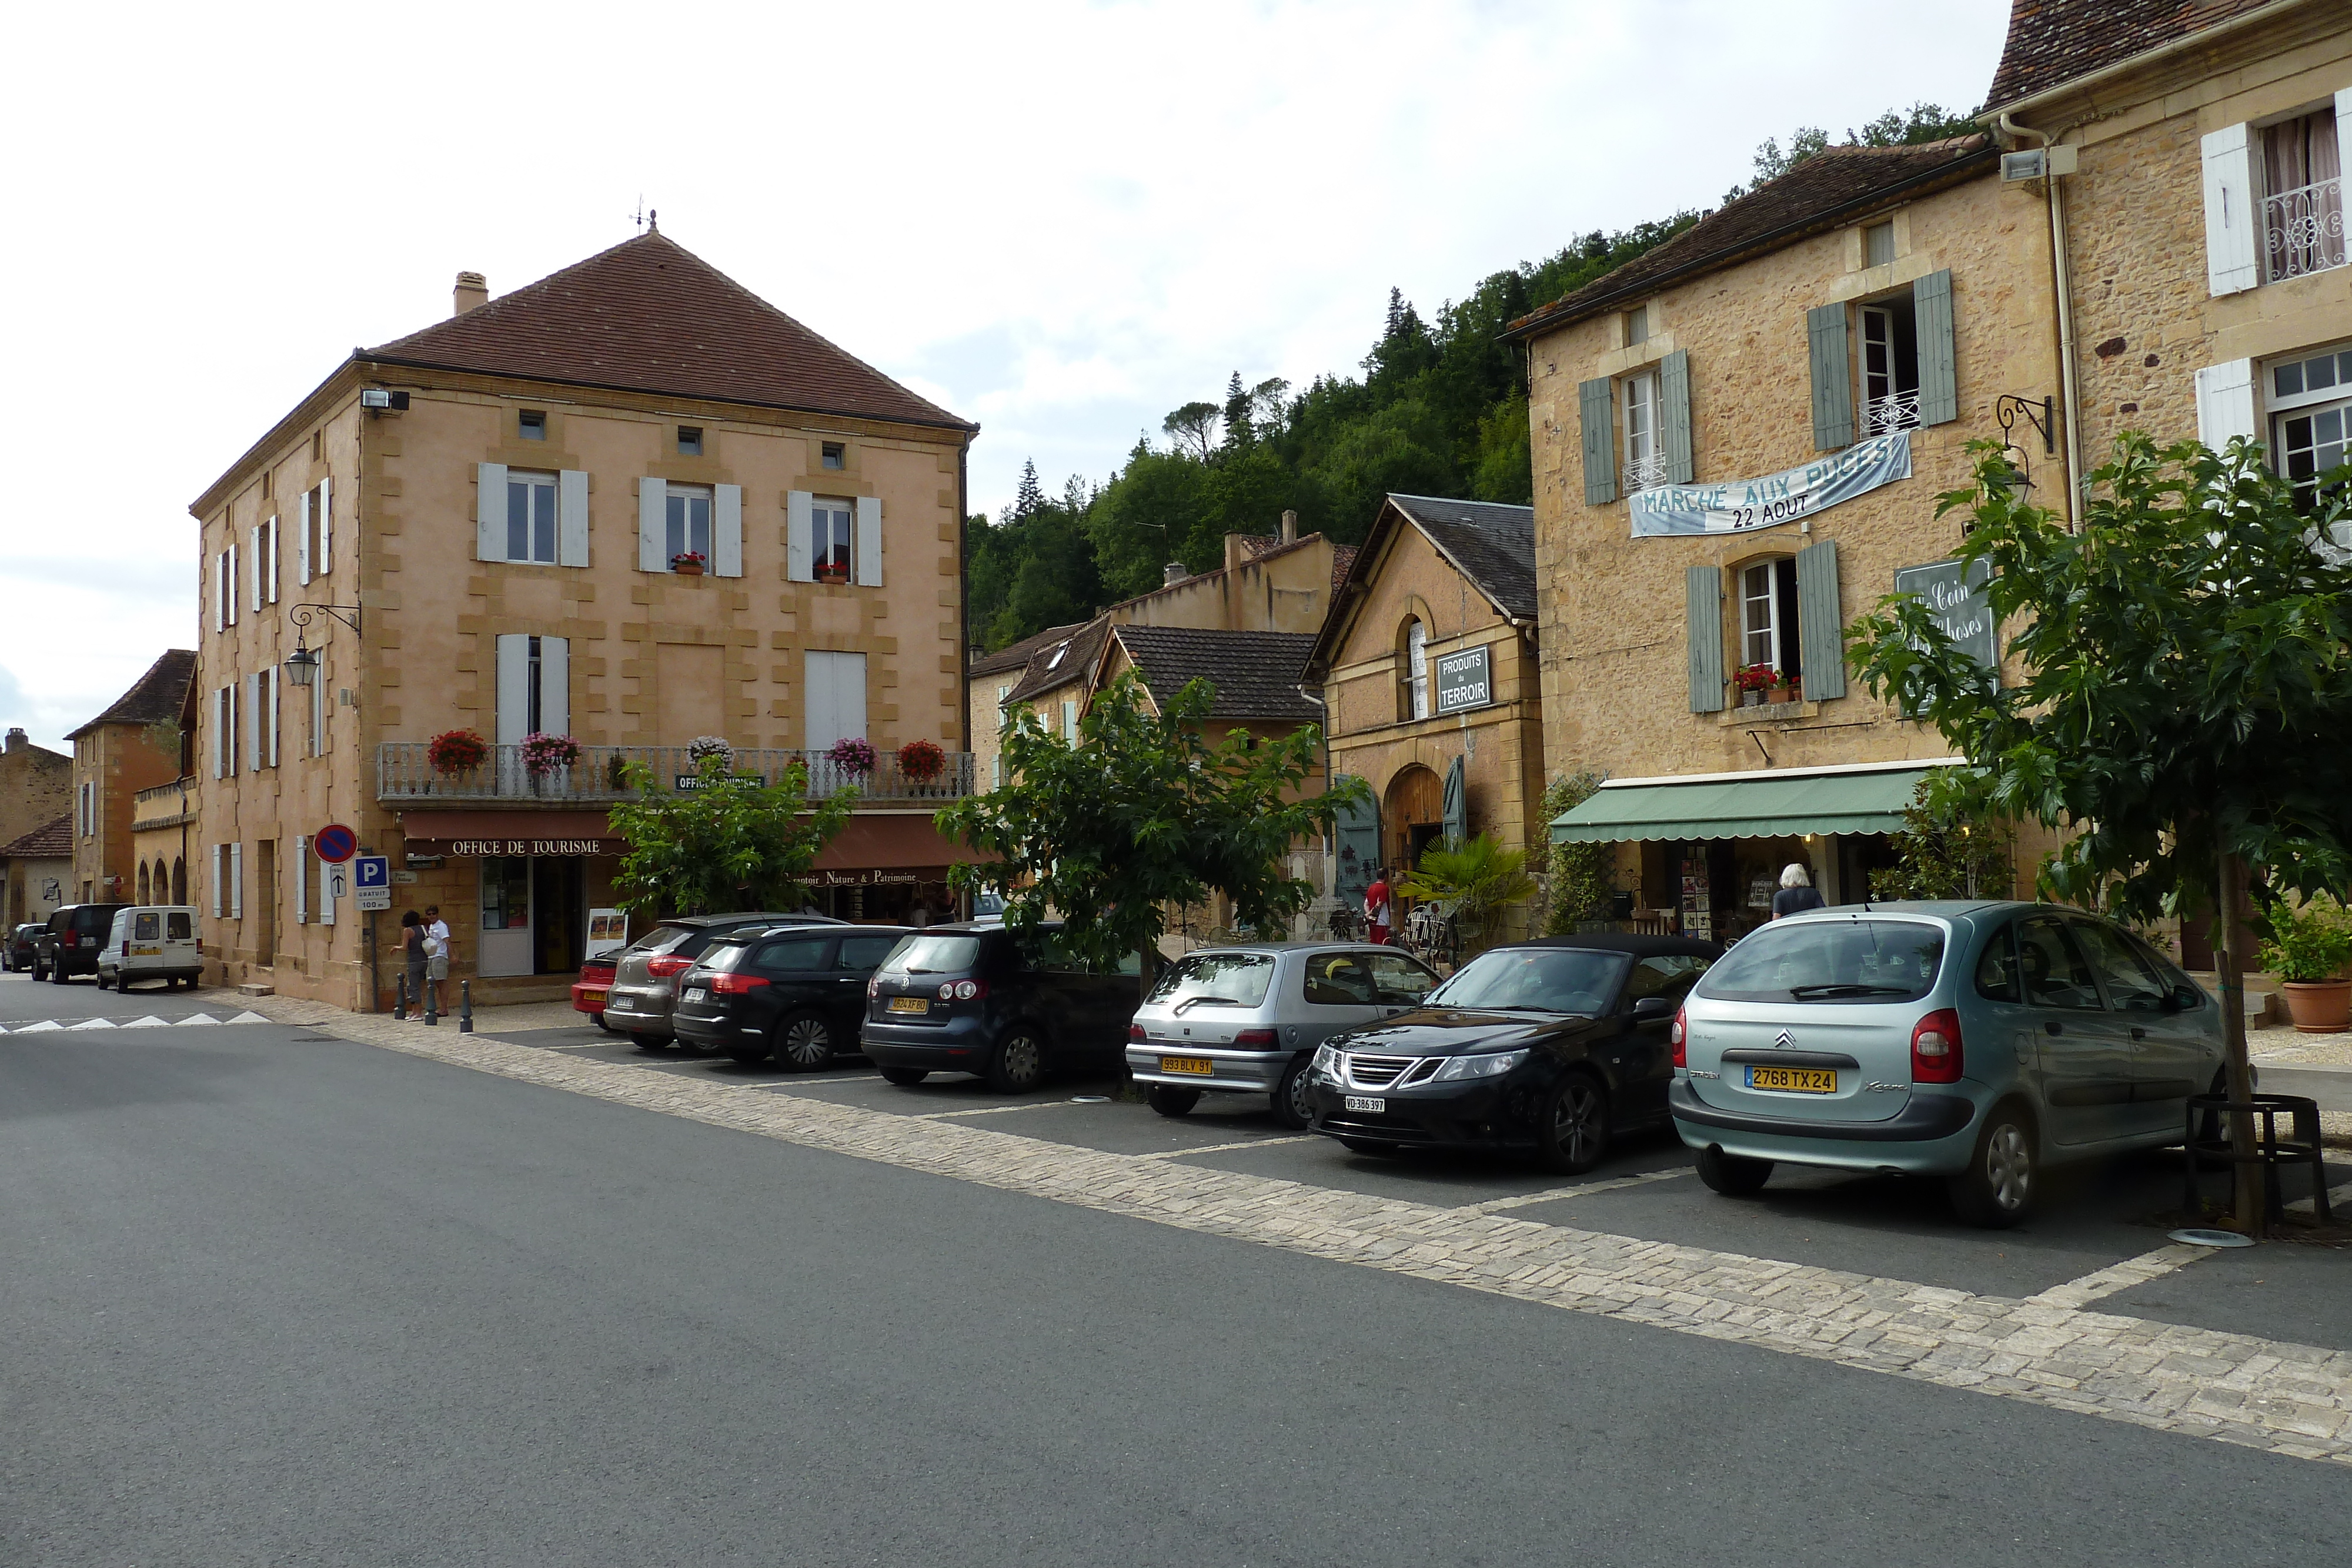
[907, 842]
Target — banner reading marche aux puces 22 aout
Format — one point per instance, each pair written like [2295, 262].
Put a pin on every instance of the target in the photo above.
[1741, 503]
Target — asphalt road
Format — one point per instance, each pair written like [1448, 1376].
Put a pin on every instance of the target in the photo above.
[276, 1299]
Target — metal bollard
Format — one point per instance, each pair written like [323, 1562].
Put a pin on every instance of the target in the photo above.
[465, 1007]
[400, 1006]
[432, 1003]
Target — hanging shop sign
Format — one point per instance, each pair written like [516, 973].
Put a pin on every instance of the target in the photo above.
[1955, 597]
[1739, 504]
[1465, 680]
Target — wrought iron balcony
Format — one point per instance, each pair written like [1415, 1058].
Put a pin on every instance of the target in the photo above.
[2302, 230]
[1896, 410]
[1644, 473]
[404, 772]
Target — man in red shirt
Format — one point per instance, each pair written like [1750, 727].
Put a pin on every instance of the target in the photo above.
[1376, 906]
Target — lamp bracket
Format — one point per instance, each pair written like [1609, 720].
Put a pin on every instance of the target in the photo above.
[349, 614]
[2009, 408]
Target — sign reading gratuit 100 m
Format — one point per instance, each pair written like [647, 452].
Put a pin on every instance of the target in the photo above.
[1738, 505]
[1465, 680]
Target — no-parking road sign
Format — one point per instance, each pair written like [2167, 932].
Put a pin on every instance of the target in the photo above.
[335, 843]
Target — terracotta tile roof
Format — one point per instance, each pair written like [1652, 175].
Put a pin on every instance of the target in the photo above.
[159, 694]
[1492, 545]
[650, 316]
[2051, 42]
[1014, 655]
[1257, 674]
[1078, 655]
[1342, 557]
[1832, 186]
[50, 840]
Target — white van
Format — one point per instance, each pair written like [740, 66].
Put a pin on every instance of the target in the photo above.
[151, 942]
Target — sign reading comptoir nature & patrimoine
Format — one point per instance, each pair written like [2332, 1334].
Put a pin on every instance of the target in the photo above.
[1738, 505]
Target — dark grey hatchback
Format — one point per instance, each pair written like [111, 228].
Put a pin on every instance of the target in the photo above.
[975, 997]
[792, 992]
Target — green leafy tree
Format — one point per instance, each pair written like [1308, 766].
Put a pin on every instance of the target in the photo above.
[1946, 850]
[1581, 887]
[1145, 814]
[1477, 878]
[2183, 713]
[733, 843]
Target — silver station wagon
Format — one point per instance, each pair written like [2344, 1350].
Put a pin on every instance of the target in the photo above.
[1978, 1042]
[1245, 1019]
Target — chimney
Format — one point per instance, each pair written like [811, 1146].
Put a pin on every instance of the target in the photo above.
[17, 741]
[1290, 528]
[471, 290]
[1235, 552]
[1174, 573]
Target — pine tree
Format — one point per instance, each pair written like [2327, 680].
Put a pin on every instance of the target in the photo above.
[1030, 495]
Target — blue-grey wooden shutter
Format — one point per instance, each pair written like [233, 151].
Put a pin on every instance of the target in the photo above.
[1833, 378]
[1457, 803]
[1703, 585]
[1940, 380]
[1357, 831]
[1674, 414]
[1596, 412]
[1820, 629]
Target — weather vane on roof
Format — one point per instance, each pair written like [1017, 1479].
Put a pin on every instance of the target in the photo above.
[644, 219]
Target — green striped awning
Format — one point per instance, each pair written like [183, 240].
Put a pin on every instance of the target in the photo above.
[1869, 802]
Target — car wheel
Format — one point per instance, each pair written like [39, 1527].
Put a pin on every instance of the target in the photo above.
[1171, 1101]
[904, 1077]
[1734, 1175]
[1018, 1063]
[598, 1019]
[2000, 1186]
[650, 1041]
[1369, 1147]
[805, 1044]
[748, 1052]
[57, 975]
[1573, 1136]
[1292, 1107]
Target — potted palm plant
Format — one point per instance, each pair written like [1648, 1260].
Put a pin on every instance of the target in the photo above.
[2307, 950]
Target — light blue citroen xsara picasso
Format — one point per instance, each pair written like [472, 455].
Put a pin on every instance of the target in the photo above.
[1975, 1041]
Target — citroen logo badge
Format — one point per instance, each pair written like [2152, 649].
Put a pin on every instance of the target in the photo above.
[1783, 1040]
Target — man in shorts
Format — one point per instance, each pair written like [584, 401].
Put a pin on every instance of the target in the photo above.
[436, 953]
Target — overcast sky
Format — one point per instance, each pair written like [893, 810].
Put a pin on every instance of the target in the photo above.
[1059, 220]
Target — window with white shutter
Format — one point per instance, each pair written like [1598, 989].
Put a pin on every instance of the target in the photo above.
[324, 560]
[800, 548]
[835, 698]
[727, 531]
[869, 541]
[2233, 260]
[237, 881]
[302, 880]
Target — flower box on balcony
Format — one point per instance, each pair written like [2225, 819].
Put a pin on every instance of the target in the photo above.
[688, 564]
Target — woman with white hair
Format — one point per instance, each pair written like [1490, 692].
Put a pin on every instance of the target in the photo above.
[1797, 892]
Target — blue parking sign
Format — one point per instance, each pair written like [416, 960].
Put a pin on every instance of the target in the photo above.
[371, 881]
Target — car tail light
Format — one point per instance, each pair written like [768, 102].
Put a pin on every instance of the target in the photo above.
[971, 991]
[70, 940]
[1936, 1048]
[873, 989]
[665, 968]
[1255, 1037]
[1134, 1032]
[735, 984]
[1680, 1035]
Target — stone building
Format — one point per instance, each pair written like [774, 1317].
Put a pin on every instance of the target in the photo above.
[134, 745]
[37, 870]
[1428, 662]
[36, 785]
[1738, 438]
[2194, 203]
[626, 507]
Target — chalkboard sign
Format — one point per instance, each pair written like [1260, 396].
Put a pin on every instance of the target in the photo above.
[1958, 604]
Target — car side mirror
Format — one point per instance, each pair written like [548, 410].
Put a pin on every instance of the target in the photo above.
[1653, 1007]
[2185, 998]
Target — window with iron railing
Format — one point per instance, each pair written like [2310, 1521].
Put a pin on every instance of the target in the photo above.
[2303, 197]
[1645, 460]
[1890, 368]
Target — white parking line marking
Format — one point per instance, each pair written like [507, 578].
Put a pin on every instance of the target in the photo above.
[2075, 1294]
[92, 1023]
[150, 1021]
[1221, 1148]
[991, 1109]
[37, 1028]
[808, 1082]
[1553, 1194]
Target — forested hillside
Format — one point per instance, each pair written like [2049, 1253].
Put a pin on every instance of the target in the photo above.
[1439, 409]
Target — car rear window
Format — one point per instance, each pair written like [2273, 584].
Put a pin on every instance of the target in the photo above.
[925, 954]
[1829, 961]
[724, 957]
[863, 952]
[147, 926]
[664, 938]
[1540, 979]
[791, 958]
[1213, 979]
[179, 928]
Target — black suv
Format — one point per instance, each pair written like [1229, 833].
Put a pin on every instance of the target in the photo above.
[643, 988]
[793, 992]
[19, 954]
[70, 944]
[976, 996]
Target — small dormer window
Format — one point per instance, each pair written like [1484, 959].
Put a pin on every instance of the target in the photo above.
[532, 424]
[1056, 662]
[1637, 326]
[689, 441]
[836, 456]
[1878, 243]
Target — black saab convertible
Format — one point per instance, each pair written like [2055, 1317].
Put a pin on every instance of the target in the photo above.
[1552, 1046]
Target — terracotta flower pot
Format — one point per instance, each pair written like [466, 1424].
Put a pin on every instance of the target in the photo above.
[688, 568]
[2319, 1006]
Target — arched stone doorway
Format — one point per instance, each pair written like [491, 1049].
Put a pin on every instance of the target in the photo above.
[179, 880]
[1413, 813]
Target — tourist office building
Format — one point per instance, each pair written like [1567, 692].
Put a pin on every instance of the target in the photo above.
[491, 579]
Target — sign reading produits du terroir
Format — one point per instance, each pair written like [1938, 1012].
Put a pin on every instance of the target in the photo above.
[1956, 598]
[1465, 680]
[1738, 505]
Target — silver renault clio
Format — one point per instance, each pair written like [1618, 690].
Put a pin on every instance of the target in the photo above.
[1245, 1019]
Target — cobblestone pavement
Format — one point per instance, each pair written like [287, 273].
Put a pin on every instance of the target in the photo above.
[2048, 1349]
